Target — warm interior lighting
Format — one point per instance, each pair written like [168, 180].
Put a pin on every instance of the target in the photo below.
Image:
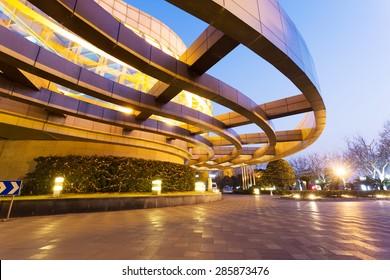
[43, 31]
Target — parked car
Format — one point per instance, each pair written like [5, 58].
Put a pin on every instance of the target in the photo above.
[227, 189]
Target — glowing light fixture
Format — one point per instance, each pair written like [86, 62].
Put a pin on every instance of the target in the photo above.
[125, 110]
[200, 187]
[58, 186]
[156, 187]
[341, 172]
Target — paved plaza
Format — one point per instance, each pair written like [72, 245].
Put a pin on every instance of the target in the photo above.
[238, 227]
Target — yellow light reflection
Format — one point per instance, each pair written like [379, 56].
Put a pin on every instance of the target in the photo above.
[314, 210]
[95, 101]
[124, 109]
[167, 121]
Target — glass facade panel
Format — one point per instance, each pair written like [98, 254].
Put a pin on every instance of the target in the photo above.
[270, 17]
[308, 62]
[38, 28]
[274, 39]
[291, 36]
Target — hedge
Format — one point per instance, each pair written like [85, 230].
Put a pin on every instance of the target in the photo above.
[91, 174]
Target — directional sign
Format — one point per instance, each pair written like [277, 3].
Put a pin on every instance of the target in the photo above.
[10, 187]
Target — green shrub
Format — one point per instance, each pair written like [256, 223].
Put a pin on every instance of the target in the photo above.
[90, 174]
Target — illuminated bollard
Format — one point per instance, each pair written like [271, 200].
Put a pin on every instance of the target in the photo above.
[156, 187]
[58, 185]
[256, 191]
[200, 187]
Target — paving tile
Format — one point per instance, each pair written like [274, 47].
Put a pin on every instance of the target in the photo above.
[213, 248]
[235, 250]
[252, 228]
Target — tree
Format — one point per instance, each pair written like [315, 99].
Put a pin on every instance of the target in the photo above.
[301, 167]
[385, 137]
[226, 181]
[300, 164]
[319, 165]
[236, 181]
[314, 167]
[370, 157]
[384, 142]
[279, 173]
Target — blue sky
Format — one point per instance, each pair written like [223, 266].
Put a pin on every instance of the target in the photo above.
[350, 44]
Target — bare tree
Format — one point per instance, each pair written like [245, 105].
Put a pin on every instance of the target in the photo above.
[319, 165]
[384, 139]
[300, 165]
[370, 158]
[316, 167]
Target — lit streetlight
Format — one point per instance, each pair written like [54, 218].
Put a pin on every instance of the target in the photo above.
[341, 172]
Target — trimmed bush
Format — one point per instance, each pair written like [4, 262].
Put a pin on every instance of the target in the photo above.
[91, 174]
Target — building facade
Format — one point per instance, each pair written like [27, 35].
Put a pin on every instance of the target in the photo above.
[104, 78]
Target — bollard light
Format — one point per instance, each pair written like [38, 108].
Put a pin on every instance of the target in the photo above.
[156, 187]
[200, 187]
[58, 186]
[256, 191]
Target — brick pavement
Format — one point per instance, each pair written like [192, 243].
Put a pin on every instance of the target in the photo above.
[238, 227]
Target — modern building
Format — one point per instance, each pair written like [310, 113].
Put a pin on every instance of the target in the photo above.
[104, 78]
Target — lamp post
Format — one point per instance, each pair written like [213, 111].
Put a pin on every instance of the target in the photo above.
[341, 171]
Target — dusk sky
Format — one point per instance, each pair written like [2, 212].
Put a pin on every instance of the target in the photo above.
[349, 41]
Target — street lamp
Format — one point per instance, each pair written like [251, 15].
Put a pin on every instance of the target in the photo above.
[341, 172]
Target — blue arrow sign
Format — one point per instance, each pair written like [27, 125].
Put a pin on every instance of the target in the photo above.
[10, 187]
